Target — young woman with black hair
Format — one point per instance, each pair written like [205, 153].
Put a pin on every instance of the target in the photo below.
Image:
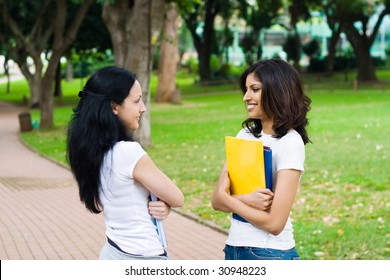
[114, 173]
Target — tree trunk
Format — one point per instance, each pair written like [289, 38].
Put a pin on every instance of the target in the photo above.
[35, 85]
[62, 42]
[361, 46]
[144, 28]
[47, 98]
[203, 43]
[169, 57]
[212, 9]
[57, 85]
[138, 61]
[336, 31]
[297, 56]
[134, 27]
[366, 69]
[204, 64]
[34, 80]
[57, 81]
[6, 72]
[47, 103]
[117, 17]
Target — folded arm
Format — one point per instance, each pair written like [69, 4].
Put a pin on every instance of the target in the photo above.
[152, 178]
[273, 220]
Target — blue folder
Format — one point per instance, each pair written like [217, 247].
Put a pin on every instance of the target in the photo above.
[268, 167]
[268, 176]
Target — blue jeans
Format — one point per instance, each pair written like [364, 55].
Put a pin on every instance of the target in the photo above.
[254, 253]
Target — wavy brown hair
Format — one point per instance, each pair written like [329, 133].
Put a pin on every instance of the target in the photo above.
[282, 98]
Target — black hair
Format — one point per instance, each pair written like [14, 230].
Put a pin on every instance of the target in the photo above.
[94, 129]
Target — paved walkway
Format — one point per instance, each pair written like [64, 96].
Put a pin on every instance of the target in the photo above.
[42, 218]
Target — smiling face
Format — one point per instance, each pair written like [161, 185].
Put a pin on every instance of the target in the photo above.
[131, 109]
[252, 97]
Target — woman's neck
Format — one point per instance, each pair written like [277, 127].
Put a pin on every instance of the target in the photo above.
[267, 127]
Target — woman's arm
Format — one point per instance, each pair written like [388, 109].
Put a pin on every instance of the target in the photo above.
[152, 178]
[272, 221]
[223, 186]
[260, 199]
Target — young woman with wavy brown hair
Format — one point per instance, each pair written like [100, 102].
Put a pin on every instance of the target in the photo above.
[277, 108]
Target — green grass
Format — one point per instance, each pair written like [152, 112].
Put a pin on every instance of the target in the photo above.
[341, 209]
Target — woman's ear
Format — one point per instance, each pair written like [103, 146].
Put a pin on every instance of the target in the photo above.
[114, 108]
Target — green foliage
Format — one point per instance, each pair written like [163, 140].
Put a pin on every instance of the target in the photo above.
[215, 63]
[86, 62]
[192, 65]
[185, 40]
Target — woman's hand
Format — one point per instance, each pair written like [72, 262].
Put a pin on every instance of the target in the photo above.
[260, 199]
[159, 209]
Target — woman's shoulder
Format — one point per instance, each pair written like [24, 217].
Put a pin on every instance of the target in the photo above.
[128, 146]
[292, 133]
[127, 152]
[244, 133]
[292, 137]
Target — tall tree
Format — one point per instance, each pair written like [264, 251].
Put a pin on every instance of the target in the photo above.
[354, 16]
[336, 30]
[328, 9]
[92, 41]
[134, 27]
[202, 16]
[47, 30]
[258, 16]
[298, 10]
[169, 57]
[5, 50]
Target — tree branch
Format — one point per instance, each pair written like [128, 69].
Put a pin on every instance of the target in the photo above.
[12, 25]
[39, 19]
[385, 12]
[76, 23]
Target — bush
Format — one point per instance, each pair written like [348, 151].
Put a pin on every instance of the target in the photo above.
[316, 65]
[343, 62]
[378, 62]
[192, 65]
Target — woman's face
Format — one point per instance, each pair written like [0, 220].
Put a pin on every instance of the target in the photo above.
[132, 108]
[252, 97]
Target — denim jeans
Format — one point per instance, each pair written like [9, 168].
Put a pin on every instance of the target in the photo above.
[254, 253]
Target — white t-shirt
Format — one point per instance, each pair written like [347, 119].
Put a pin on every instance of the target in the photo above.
[288, 152]
[125, 202]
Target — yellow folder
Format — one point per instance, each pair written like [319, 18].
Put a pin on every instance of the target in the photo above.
[245, 161]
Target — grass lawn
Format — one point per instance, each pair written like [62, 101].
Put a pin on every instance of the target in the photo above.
[341, 210]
